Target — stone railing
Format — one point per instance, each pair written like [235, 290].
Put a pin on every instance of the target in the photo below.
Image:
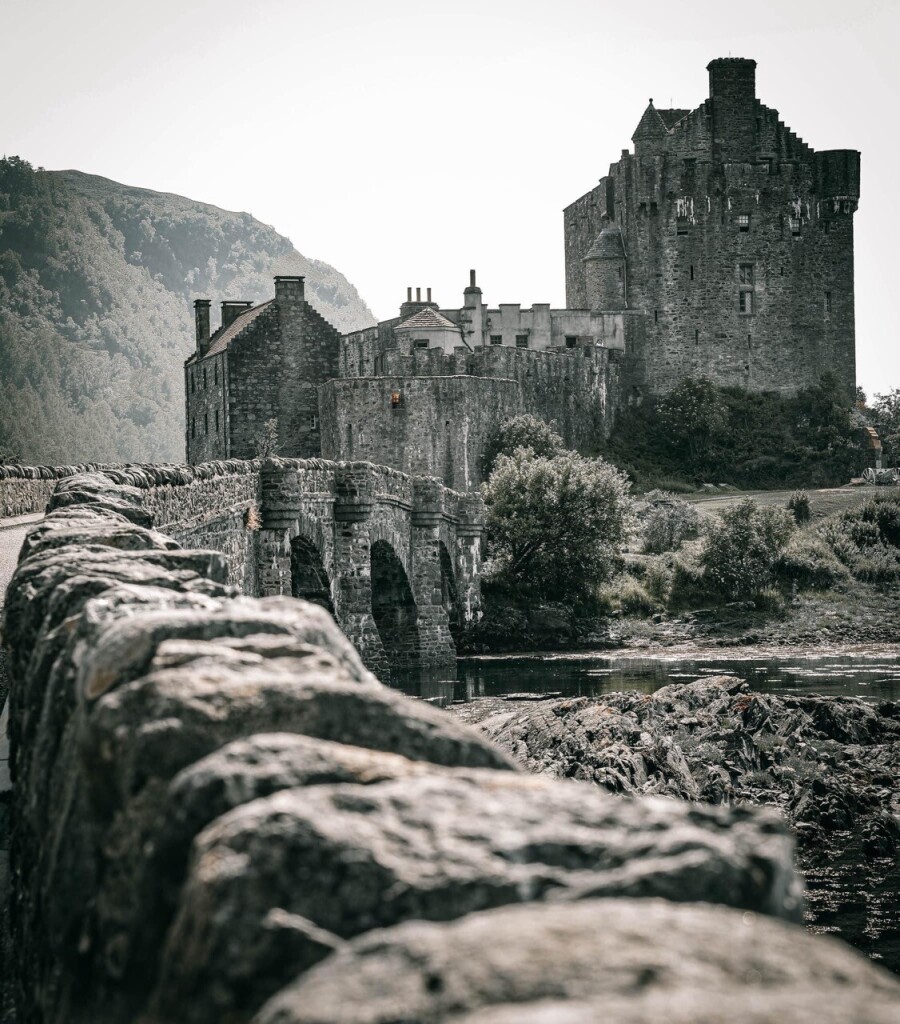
[220, 815]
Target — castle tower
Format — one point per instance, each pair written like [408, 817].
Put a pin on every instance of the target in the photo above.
[732, 94]
[650, 135]
[605, 271]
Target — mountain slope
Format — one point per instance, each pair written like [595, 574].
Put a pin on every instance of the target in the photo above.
[96, 283]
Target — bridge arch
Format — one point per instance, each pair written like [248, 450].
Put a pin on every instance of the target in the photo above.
[393, 606]
[310, 577]
[450, 593]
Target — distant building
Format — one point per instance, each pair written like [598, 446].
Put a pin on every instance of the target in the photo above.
[722, 247]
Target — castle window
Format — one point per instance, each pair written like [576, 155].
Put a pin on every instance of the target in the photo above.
[745, 302]
[349, 440]
[656, 316]
[216, 372]
[826, 226]
[827, 302]
[206, 423]
[571, 341]
[745, 274]
[496, 339]
[193, 426]
[217, 421]
[193, 376]
[204, 377]
[795, 225]
[313, 422]
[692, 271]
[743, 221]
[521, 341]
[696, 337]
[421, 343]
[654, 208]
[682, 225]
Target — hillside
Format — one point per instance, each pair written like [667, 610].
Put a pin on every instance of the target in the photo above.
[96, 284]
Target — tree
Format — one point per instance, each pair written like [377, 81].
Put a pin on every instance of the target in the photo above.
[267, 441]
[886, 413]
[556, 524]
[521, 432]
[692, 413]
[743, 546]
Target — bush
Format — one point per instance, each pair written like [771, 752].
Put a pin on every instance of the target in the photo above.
[798, 506]
[809, 562]
[742, 548]
[526, 432]
[667, 522]
[628, 595]
[689, 586]
[556, 524]
[867, 539]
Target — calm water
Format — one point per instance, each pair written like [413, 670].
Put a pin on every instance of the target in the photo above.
[847, 896]
[873, 677]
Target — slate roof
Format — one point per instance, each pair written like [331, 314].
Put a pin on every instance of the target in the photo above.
[655, 123]
[222, 339]
[608, 245]
[427, 319]
[672, 116]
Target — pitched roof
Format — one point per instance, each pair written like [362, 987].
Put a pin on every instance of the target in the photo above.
[651, 125]
[608, 245]
[223, 338]
[672, 116]
[427, 320]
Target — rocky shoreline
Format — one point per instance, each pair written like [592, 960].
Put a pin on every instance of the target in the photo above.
[829, 764]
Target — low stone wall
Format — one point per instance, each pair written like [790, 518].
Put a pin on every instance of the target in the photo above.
[220, 815]
[25, 490]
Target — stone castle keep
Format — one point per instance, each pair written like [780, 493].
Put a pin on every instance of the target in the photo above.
[722, 247]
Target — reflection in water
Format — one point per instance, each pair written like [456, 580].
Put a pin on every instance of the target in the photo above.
[849, 897]
[851, 675]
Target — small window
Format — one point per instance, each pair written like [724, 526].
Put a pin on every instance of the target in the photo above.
[621, 273]
[496, 339]
[743, 221]
[571, 341]
[193, 426]
[826, 226]
[217, 421]
[745, 302]
[827, 302]
[692, 271]
[656, 316]
[216, 372]
[421, 343]
[395, 399]
[204, 377]
[206, 423]
[682, 226]
[745, 274]
[696, 337]
[654, 207]
[795, 225]
[193, 376]
[313, 422]
[521, 341]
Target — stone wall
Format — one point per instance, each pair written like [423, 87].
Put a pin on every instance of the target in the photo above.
[218, 814]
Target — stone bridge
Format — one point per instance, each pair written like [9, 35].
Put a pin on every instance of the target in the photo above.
[396, 559]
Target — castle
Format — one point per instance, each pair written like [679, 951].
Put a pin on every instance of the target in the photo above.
[722, 246]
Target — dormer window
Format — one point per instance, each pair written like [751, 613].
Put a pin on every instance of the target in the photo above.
[743, 221]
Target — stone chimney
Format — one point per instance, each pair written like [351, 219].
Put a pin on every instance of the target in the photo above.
[289, 290]
[231, 310]
[473, 315]
[732, 94]
[201, 325]
[413, 305]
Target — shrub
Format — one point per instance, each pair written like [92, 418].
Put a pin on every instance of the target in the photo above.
[628, 595]
[742, 548]
[867, 539]
[526, 432]
[658, 580]
[798, 505]
[667, 522]
[809, 562]
[556, 524]
[689, 586]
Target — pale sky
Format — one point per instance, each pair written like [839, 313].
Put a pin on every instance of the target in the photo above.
[405, 142]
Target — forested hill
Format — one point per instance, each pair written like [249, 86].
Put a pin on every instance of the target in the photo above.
[96, 284]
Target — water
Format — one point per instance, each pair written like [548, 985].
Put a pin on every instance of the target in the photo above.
[846, 896]
[872, 676]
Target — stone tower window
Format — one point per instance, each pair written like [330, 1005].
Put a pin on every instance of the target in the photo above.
[795, 225]
[313, 422]
[206, 423]
[826, 226]
[692, 271]
[745, 303]
[521, 341]
[193, 375]
[216, 373]
[743, 221]
[217, 421]
[682, 226]
[746, 284]
[204, 377]
[496, 339]
[571, 341]
[696, 337]
[827, 302]
[745, 274]
[193, 426]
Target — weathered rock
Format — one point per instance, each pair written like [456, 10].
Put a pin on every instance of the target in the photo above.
[349, 858]
[622, 961]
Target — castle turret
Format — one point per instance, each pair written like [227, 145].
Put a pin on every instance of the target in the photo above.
[473, 313]
[650, 135]
[201, 325]
[732, 93]
[605, 271]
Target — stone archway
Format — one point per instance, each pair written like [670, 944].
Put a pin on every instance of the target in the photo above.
[450, 595]
[393, 607]
[309, 580]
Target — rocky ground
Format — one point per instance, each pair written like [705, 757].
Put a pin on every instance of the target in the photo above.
[830, 764]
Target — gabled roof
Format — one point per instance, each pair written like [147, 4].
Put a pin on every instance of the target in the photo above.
[427, 320]
[672, 116]
[222, 339]
[608, 245]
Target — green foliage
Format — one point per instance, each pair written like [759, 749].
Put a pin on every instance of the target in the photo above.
[743, 546]
[627, 595]
[96, 281]
[711, 434]
[886, 415]
[267, 440]
[556, 524]
[798, 506]
[526, 432]
[667, 522]
[867, 539]
[810, 563]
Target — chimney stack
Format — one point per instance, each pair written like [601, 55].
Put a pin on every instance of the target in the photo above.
[418, 295]
[288, 290]
[409, 294]
[231, 310]
[201, 324]
[732, 93]
[428, 295]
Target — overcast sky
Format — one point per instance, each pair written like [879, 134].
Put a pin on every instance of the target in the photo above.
[405, 142]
